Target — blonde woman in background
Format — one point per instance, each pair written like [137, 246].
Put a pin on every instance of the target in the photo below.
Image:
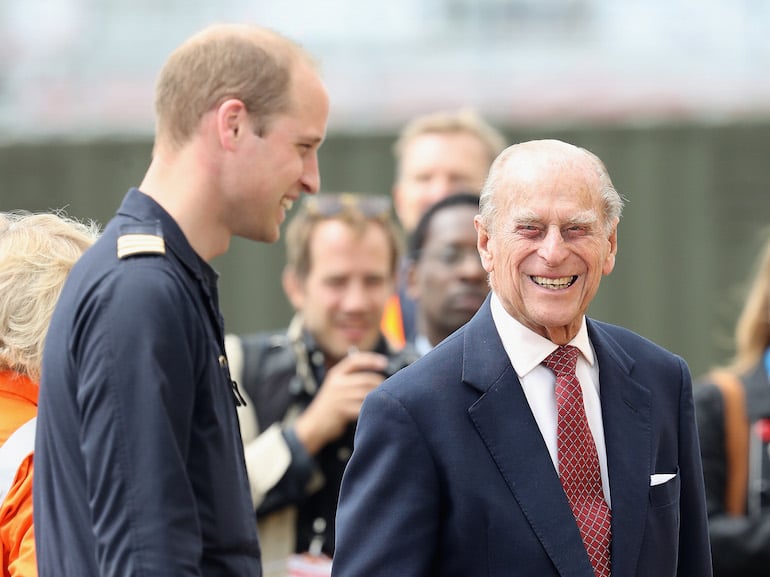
[733, 411]
[37, 252]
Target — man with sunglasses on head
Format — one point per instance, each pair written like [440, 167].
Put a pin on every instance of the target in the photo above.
[304, 386]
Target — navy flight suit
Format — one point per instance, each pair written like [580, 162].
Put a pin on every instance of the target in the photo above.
[139, 464]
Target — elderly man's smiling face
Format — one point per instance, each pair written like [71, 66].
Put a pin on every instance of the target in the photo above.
[549, 243]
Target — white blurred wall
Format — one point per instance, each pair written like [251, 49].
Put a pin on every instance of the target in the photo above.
[79, 68]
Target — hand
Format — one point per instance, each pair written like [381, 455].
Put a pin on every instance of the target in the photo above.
[338, 400]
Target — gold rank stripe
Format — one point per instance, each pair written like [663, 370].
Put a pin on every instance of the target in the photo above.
[132, 244]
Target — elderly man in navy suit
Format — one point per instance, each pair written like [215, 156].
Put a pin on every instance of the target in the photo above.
[534, 442]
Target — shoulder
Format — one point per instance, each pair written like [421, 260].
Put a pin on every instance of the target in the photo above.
[122, 260]
[132, 258]
[631, 343]
[141, 296]
[623, 336]
[429, 378]
[263, 355]
[263, 344]
[400, 359]
[140, 239]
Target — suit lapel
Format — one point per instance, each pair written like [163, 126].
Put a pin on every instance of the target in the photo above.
[626, 414]
[506, 426]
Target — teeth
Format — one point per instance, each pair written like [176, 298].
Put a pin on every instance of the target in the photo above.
[287, 203]
[555, 283]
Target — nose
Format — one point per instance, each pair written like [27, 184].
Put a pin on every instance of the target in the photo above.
[311, 177]
[552, 248]
[356, 297]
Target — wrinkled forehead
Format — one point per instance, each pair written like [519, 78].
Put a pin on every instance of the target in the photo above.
[535, 186]
[557, 185]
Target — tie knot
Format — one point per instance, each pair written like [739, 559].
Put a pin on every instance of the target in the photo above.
[563, 360]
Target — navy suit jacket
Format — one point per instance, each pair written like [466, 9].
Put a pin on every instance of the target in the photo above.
[450, 475]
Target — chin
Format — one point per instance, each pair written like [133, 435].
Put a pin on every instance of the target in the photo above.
[268, 236]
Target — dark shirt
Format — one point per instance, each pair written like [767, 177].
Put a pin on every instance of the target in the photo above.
[740, 545]
[272, 380]
[139, 464]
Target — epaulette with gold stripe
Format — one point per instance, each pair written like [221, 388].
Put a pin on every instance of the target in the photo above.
[138, 239]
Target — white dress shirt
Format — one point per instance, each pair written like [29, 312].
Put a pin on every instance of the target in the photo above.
[527, 350]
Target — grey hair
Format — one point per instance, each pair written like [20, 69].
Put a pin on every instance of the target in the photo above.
[612, 201]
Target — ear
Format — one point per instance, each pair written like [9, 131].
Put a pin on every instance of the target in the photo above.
[233, 122]
[294, 288]
[483, 244]
[609, 261]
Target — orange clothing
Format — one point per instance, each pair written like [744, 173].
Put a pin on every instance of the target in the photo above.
[392, 324]
[18, 404]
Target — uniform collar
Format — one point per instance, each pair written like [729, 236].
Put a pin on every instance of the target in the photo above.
[144, 208]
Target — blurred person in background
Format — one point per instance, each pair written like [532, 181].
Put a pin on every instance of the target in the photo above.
[445, 276]
[437, 154]
[733, 411]
[534, 441]
[304, 385]
[138, 456]
[37, 252]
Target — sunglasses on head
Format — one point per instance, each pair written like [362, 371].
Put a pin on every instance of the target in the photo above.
[329, 204]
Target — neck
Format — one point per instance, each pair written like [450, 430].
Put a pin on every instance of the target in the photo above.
[178, 183]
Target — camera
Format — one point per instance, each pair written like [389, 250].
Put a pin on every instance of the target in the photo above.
[394, 365]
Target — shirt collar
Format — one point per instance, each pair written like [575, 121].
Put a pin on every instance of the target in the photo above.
[18, 385]
[140, 206]
[527, 349]
[422, 345]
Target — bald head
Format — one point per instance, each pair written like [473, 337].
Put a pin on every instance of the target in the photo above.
[519, 167]
[547, 234]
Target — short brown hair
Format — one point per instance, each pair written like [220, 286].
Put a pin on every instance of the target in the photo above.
[246, 62]
[357, 211]
[463, 121]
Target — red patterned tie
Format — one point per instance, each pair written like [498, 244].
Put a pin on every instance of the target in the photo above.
[578, 461]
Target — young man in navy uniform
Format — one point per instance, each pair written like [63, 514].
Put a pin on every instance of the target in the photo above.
[139, 461]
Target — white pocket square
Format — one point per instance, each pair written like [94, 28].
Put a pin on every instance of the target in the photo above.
[660, 478]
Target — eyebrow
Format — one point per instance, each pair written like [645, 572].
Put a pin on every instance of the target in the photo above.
[528, 216]
[525, 216]
[585, 217]
[310, 139]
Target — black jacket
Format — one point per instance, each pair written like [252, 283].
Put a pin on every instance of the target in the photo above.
[139, 463]
[271, 378]
[740, 545]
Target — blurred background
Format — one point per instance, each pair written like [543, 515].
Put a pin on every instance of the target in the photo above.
[674, 96]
